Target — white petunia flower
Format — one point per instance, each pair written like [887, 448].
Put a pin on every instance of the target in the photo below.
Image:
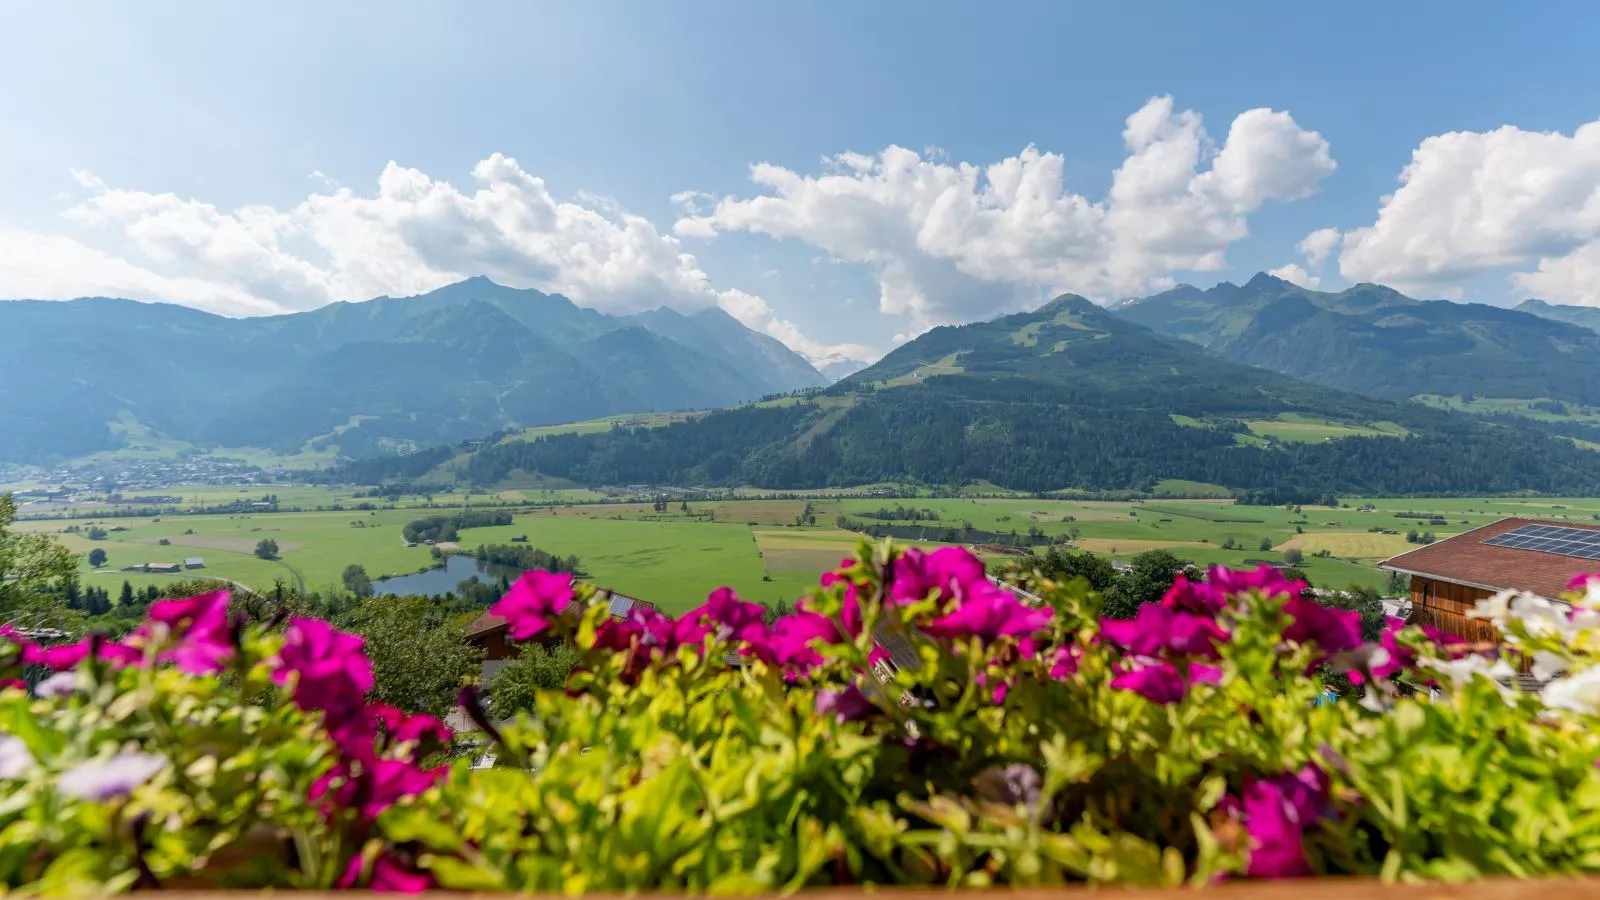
[103, 779]
[1496, 608]
[1460, 671]
[15, 758]
[1547, 665]
[1541, 617]
[1578, 693]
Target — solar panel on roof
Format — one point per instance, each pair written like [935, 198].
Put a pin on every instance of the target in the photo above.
[1581, 543]
[619, 606]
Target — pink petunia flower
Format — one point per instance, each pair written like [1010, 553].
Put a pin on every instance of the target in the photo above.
[794, 637]
[1157, 629]
[989, 613]
[199, 627]
[847, 704]
[952, 571]
[1065, 662]
[726, 616]
[1159, 683]
[534, 601]
[1332, 630]
[1265, 579]
[1276, 813]
[332, 671]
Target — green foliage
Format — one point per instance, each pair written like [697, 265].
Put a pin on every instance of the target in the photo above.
[1149, 576]
[1294, 556]
[537, 668]
[356, 580]
[97, 557]
[30, 564]
[419, 659]
[652, 765]
[267, 548]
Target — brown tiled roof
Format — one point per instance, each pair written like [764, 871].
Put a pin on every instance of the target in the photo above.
[1465, 559]
[484, 624]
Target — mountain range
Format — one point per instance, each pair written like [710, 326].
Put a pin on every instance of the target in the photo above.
[1069, 396]
[465, 360]
[1376, 341]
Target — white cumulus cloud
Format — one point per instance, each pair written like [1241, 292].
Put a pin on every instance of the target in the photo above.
[953, 242]
[1319, 245]
[1294, 274]
[412, 234]
[1472, 203]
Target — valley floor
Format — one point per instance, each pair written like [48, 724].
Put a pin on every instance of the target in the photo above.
[675, 557]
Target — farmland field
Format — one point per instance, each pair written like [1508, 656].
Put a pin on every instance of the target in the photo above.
[675, 556]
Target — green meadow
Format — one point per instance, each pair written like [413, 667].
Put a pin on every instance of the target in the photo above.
[675, 557]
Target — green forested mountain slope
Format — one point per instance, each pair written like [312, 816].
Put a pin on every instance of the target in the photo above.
[464, 360]
[1068, 396]
[1582, 316]
[1376, 341]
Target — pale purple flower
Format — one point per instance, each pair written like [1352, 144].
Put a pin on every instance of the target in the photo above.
[15, 758]
[103, 779]
[58, 685]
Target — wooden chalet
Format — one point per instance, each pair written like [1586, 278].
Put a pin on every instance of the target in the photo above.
[1449, 577]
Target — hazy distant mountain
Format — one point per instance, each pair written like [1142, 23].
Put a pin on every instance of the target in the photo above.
[1066, 396]
[464, 360]
[1377, 341]
[1584, 316]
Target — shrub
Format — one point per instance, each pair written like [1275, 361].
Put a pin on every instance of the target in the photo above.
[1017, 744]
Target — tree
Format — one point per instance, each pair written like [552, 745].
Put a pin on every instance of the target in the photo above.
[1266, 544]
[536, 669]
[29, 565]
[1147, 581]
[267, 548]
[419, 656]
[96, 533]
[126, 599]
[356, 580]
[1060, 566]
[97, 557]
[1294, 556]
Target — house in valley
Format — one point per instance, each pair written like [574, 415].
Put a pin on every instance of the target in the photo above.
[1449, 576]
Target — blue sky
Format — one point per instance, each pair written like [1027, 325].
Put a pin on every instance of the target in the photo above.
[195, 130]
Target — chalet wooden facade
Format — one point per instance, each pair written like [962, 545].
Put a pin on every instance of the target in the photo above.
[1450, 576]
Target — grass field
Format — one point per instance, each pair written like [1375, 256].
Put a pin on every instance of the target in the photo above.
[1299, 428]
[675, 557]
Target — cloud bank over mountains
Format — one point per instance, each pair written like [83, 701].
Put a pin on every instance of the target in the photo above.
[945, 241]
[1475, 203]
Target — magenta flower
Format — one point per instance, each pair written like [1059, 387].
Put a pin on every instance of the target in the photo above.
[846, 704]
[389, 875]
[534, 601]
[331, 671]
[1157, 629]
[371, 786]
[1580, 581]
[68, 656]
[1160, 683]
[1276, 813]
[1065, 662]
[1332, 630]
[199, 626]
[1205, 599]
[998, 692]
[726, 616]
[794, 637]
[1265, 579]
[989, 613]
[952, 571]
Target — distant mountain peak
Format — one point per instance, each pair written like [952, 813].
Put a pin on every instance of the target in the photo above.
[1265, 280]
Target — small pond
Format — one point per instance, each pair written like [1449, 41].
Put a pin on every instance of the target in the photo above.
[437, 582]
